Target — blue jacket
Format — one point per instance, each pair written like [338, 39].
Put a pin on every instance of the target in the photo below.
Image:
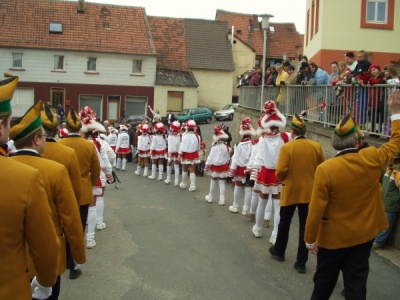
[321, 77]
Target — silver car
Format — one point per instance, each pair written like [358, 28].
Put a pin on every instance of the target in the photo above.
[226, 113]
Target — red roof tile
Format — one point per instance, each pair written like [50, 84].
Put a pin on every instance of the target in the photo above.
[101, 28]
[169, 41]
[248, 30]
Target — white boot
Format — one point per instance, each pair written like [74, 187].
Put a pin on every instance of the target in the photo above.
[247, 200]
[100, 212]
[138, 170]
[176, 169]
[123, 164]
[91, 221]
[221, 192]
[146, 171]
[153, 172]
[168, 179]
[118, 164]
[213, 186]
[160, 171]
[192, 187]
[183, 184]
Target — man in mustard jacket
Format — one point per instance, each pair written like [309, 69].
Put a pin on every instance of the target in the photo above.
[60, 153]
[30, 139]
[25, 219]
[296, 167]
[89, 165]
[346, 210]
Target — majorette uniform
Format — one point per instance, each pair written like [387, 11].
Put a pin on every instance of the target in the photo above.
[143, 148]
[122, 147]
[217, 164]
[112, 138]
[174, 143]
[189, 153]
[240, 159]
[158, 149]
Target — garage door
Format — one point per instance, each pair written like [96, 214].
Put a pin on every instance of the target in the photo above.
[22, 101]
[93, 101]
[135, 106]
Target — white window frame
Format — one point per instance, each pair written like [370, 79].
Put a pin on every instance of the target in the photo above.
[58, 59]
[17, 60]
[91, 64]
[137, 65]
[376, 3]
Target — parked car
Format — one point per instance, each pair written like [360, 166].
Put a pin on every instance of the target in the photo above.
[134, 120]
[226, 113]
[199, 114]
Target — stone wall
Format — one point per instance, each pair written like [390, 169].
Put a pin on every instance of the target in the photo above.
[315, 132]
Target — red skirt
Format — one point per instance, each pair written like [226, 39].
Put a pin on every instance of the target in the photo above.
[267, 177]
[113, 147]
[159, 152]
[123, 151]
[190, 158]
[174, 154]
[219, 169]
[240, 172]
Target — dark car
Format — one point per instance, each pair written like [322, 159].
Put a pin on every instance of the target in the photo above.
[199, 114]
[134, 120]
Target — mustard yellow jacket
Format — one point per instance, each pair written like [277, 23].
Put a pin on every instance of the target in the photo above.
[65, 212]
[89, 164]
[346, 207]
[296, 167]
[67, 157]
[25, 219]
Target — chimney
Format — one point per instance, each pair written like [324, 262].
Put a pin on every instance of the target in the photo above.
[81, 6]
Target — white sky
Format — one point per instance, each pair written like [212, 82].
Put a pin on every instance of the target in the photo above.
[284, 11]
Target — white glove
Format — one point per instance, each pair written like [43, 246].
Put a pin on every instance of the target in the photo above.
[39, 291]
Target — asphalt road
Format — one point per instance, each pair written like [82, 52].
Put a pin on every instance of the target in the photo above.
[162, 242]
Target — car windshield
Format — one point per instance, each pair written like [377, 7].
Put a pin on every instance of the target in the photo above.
[184, 112]
[228, 106]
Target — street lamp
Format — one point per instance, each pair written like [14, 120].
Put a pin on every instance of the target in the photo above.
[264, 26]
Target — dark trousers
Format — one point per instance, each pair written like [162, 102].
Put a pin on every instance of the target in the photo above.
[354, 264]
[286, 214]
[83, 211]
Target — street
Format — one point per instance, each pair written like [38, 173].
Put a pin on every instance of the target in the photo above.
[162, 242]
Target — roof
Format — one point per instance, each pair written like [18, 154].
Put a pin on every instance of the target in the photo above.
[169, 41]
[207, 45]
[175, 78]
[101, 28]
[247, 28]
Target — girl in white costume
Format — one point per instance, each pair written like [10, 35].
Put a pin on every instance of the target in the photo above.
[265, 163]
[158, 151]
[188, 155]
[240, 159]
[174, 142]
[122, 147]
[217, 164]
[112, 137]
[90, 129]
[143, 149]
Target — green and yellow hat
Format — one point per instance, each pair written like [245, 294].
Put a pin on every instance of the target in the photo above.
[7, 88]
[49, 118]
[298, 122]
[28, 124]
[73, 120]
[346, 126]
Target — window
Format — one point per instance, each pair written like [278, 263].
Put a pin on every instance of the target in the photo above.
[91, 64]
[377, 14]
[58, 62]
[137, 66]
[17, 60]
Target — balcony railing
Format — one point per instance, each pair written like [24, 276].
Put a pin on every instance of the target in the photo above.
[327, 105]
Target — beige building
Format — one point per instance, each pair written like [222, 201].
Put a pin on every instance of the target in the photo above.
[335, 27]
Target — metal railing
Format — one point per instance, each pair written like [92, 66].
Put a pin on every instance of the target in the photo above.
[326, 104]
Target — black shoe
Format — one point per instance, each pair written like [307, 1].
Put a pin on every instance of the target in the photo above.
[343, 293]
[74, 274]
[300, 269]
[275, 255]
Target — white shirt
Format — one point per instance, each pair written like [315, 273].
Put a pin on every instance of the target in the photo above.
[158, 143]
[268, 151]
[122, 141]
[241, 155]
[219, 154]
[174, 142]
[144, 142]
[190, 143]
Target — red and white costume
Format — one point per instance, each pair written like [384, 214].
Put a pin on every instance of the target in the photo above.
[190, 145]
[144, 141]
[174, 143]
[122, 146]
[112, 138]
[265, 162]
[240, 160]
[158, 146]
